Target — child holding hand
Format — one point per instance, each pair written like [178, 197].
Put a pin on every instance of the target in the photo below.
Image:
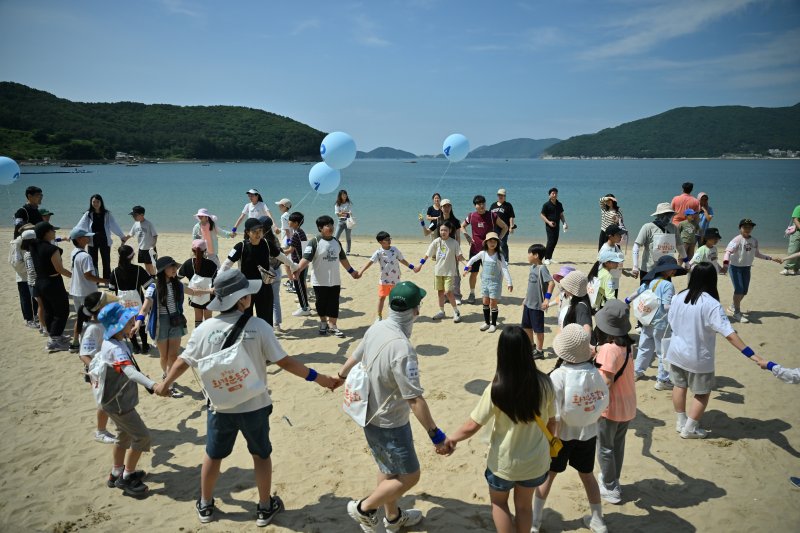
[447, 254]
[389, 258]
[494, 270]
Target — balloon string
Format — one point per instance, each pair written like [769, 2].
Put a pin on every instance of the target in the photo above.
[443, 175]
[301, 201]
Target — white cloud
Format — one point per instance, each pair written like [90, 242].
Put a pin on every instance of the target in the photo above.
[182, 7]
[305, 25]
[366, 32]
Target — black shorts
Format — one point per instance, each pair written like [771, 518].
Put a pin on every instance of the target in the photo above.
[144, 257]
[327, 301]
[578, 453]
[476, 266]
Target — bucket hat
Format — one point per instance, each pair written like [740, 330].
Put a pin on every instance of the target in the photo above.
[203, 212]
[575, 283]
[572, 344]
[614, 318]
[114, 317]
[664, 263]
[229, 287]
[663, 208]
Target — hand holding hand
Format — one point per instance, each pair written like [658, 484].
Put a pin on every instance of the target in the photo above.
[777, 260]
[327, 382]
[760, 361]
[634, 273]
[417, 269]
[545, 305]
[446, 448]
[161, 389]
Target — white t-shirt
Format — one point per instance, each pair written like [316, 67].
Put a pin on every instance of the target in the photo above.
[324, 256]
[565, 431]
[91, 339]
[259, 341]
[145, 233]
[257, 210]
[445, 253]
[81, 263]
[389, 261]
[694, 332]
[286, 231]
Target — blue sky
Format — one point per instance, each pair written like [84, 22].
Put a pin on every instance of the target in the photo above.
[408, 73]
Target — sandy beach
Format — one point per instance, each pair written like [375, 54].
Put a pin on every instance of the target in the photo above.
[53, 472]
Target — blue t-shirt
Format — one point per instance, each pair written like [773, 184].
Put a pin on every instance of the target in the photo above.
[703, 222]
[664, 290]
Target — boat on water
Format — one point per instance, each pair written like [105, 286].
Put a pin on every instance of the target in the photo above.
[70, 165]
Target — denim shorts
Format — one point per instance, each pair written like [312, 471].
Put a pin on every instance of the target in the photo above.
[503, 485]
[533, 319]
[740, 277]
[393, 449]
[222, 429]
[165, 331]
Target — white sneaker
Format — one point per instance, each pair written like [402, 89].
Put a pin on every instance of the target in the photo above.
[595, 524]
[105, 437]
[678, 426]
[546, 261]
[787, 272]
[457, 317]
[368, 523]
[696, 434]
[458, 301]
[663, 385]
[302, 312]
[741, 318]
[484, 326]
[438, 316]
[408, 517]
[492, 328]
[611, 496]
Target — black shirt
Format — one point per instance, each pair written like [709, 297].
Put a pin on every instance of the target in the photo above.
[505, 212]
[433, 212]
[253, 256]
[128, 278]
[99, 229]
[42, 256]
[208, 269]
[552, 211]
[27, 214]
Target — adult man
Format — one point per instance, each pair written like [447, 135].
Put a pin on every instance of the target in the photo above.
[505, 211]
[29, 213]
[233, 290]
[395, 389]
[552, 213]
[656, 239]
[482, 222]
[684, 201]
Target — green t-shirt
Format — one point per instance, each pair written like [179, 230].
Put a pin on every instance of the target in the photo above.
[796, 212]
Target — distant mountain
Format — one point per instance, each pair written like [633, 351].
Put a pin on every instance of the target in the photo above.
[513, 149]
[384, 152]
[692, 132]
[36, 124]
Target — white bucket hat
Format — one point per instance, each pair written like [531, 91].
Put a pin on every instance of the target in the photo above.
[663, 208]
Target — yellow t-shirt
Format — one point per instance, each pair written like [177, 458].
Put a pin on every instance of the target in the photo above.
[517, 452]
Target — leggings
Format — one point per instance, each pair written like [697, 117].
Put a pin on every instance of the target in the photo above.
[343, 228]
[56, 304]
[262, 302]
[26, 302]
[300, 288]
[105, 255]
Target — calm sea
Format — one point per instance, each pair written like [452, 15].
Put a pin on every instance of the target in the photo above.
[387, 195]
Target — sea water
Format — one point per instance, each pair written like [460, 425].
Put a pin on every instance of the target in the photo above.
[388, 194]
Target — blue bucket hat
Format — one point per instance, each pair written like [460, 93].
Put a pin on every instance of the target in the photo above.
[113, 317]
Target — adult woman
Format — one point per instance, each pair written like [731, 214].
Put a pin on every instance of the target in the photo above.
[432, 216]
[50, 285]
[343, 209]
[163, 305]
[274, 263]
[252, 253]
[130, 277]
[610, 213]
[254, 209]
[706, 214]
[206, 229]
[793, 265]
[696, 316]
[98, 220]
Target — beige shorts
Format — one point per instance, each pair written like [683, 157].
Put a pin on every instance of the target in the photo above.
[131, 431]
[443, 283]
[697, 383]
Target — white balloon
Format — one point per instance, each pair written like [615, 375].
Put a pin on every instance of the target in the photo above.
[9, 171]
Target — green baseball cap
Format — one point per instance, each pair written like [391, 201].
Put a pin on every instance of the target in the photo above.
[405, 295]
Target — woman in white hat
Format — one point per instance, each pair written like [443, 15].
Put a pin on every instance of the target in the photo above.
[255, 208]
[206, 229]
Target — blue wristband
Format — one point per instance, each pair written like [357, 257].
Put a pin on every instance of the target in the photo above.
[770, 365]
[233, 229]
[748, 352]
[140, 318]
[422, 261]
[547, 295]
[627, 301]
[438, 437]
[411, 266]
[466, 269]
[312, 375]
[351, 270]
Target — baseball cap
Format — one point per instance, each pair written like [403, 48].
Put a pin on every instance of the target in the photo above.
[45, 212]
[501, 191]
[746, 222]
[614, 229]
[284, 202]
[42, 228]
[405, 295]
[690, 211]
[76, 233]
[137, 210]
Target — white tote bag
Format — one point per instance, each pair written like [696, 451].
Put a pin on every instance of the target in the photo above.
[129, 298]
[585, 397]
[200, 282]
[350, 223]
[356, 391]
[646, 305]
[663, 244]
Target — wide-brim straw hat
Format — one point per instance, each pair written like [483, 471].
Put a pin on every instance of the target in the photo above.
[573, 344]
[575, 283]
[663, 208]
[203, 212]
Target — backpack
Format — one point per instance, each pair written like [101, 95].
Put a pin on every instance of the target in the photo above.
[228, 376]
[647, 305]
[16, 259]
[356, 391]
[585, 397]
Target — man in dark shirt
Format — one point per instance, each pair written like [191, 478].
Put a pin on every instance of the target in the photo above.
[552, 213]
[28, 213]
[505, 211]
[482, 222]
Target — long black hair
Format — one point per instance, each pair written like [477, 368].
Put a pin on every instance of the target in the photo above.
[518, 387]
[569, 317]
[161, 289]
[102, 204]
[703, 279]
[595, 270]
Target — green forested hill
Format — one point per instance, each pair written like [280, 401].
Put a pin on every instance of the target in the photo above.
[36, 124]
[692, 132]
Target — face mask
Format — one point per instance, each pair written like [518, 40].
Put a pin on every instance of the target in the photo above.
[662, 220]
[404, 319]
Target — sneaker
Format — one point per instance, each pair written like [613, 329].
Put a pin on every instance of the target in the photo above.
[438, 316]
[407, 518]
[146, 349]
[302, 312]
[596, 525]
[54, 345]
[265, 516]
[278, 329]
[337, 332]
[546, 261]
[536, 526]
[611, 496]
[492, 328]
[678, 426]
[696, 434]
[457, 317]
[175, 393]
[368, 522]
[112, 479]
[638, 376]
[31, 324]
[484, 327]
[291, 289]
[663, 385]
[470, 298]
[132, 486]
[459, 302]
[538, 354]
[105, 437]
[323, 329]
[739, 317]
[206, 512]
[787, 272]
[288, 283]
[74, 348]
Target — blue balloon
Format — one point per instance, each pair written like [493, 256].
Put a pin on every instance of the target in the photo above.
[455, 147]
[338, 150]
[9, 171]
[323, 178]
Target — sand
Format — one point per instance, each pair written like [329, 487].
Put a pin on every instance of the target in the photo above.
[53, 473]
